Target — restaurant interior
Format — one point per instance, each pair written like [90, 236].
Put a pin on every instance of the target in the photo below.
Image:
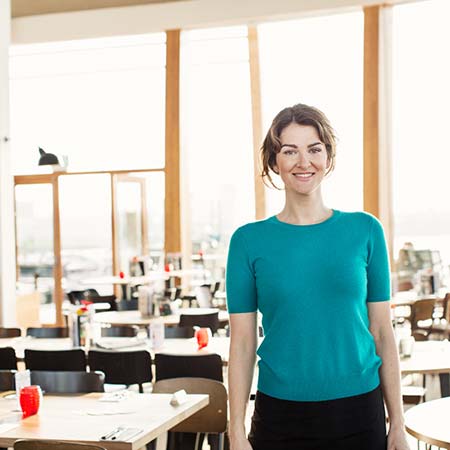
[130, 135]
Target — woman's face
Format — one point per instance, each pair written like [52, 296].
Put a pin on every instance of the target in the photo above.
[302, 161]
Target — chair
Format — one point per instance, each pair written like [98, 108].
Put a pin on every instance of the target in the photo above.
[7, 380]
[110, 299]
[179, 366]
[127, 305]
[207, 320]
[442, 325]
[66, 360]
[133, 367]
[10, 332]
[34, 444]
[120, 331]
[75, 297]
[422, 311]
[48, 333]
[68, 382]
[8, 360]
[179, 332]
[212, 418]
[413, 395]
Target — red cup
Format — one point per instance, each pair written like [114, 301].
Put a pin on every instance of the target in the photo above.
[30, 399]
[202, 335]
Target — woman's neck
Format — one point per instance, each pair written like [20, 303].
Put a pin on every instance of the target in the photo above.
[304, 211]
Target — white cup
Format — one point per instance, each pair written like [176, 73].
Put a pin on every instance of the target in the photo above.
[406, 346]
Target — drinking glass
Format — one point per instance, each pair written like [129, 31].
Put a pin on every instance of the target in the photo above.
[202, 335]
[30, 399]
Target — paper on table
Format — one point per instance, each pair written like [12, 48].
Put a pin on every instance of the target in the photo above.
[105, 412]
[117, 396]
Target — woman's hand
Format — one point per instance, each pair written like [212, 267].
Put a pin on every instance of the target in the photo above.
[240, 443]
[396, 439]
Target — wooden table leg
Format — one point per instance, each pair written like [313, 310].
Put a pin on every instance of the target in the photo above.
[161, 442]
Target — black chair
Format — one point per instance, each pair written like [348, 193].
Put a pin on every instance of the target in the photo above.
[177, 366]
[10, 332]
[133, 367]
[111, 300]
[64, 360]
[7, 380]
[75, 297]
[68, 382]
[120, 331]
[8, 360]
[207, 320]
[127, 304]
[179, 332]
[48, 333]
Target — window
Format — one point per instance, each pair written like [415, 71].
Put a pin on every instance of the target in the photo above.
[421, 95]
[101, 102]
[217, 149]
[319, 61]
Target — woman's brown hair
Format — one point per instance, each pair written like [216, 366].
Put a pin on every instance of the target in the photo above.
[302, 115]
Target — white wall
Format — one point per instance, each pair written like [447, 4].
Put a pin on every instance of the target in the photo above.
[7, 242]
[160, 17]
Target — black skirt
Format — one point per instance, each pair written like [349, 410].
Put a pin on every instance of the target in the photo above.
[351, 423]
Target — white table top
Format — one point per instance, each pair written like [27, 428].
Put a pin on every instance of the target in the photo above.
[136, 318]
[428, 422]
[153, 275]
[427, 357]
[85, 419]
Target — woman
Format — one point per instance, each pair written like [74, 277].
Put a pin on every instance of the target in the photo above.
[320, 278]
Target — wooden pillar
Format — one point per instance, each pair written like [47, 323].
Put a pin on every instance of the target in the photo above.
[7, 229]
[378, 117]
[58, 271]
[371, 108]
[255, 86]
[172, 226]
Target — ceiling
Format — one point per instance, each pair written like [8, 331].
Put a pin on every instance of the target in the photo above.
[21, 8]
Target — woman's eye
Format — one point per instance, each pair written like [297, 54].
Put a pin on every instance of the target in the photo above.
[316, 150]
[289, 152]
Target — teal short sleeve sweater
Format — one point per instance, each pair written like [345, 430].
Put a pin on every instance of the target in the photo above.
[311, 284]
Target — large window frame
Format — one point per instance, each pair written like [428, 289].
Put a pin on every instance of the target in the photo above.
[53, 180]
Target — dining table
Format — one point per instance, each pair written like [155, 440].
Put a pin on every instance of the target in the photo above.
[428, 357]
[428, 422]
[87, 418]
[134, 317]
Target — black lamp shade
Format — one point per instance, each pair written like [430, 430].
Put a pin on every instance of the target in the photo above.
[47, 158]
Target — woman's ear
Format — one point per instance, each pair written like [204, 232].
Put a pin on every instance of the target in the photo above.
[275, 169]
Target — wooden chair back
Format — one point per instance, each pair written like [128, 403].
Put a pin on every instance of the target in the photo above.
[34, 444]
[212, 418]
[422, 310]
[10, 332]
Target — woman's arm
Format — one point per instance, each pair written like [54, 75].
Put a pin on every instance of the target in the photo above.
[383, 333]
[240, 374]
